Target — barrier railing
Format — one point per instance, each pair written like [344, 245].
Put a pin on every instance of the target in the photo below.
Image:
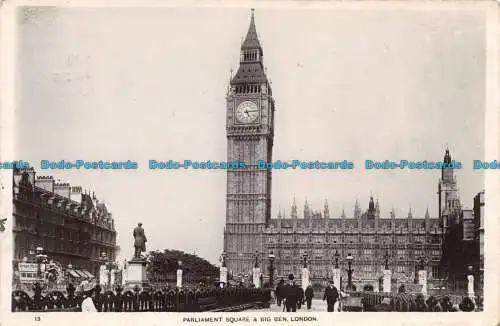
[408, 302]
[180, 300]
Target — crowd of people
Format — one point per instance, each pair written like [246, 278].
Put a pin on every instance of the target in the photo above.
[293, 296]
[433, 304]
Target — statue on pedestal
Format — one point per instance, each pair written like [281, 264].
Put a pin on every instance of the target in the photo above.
[139, 241]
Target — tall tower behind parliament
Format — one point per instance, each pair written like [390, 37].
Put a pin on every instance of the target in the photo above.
[250, 133]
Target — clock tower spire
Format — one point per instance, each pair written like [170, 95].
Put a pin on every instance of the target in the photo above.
[250, 133]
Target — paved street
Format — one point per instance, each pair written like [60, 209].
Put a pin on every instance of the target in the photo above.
[317, 305]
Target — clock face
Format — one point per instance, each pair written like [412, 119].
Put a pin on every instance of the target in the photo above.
[247, 112]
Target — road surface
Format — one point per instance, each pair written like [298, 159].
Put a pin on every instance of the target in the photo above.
[317, 305]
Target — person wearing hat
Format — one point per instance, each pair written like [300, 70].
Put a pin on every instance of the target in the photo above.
[279, 292]
[331, 296]
[309, 296]
[88, 295]
[291, 294]
[385, 305]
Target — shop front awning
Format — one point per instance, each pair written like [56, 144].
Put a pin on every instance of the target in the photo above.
[73, 273]
[82, 274]
[88, 274]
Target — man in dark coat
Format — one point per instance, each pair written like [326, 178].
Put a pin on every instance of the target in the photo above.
[300, 299]
[309, 296]
[291, 294]
[279, 292]
[139, 240]
[331, 296]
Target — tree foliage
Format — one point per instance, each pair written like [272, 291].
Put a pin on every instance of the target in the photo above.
[166, 263]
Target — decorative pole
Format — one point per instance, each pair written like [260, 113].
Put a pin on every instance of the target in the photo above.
[336, 271]
[102, 270]
[271, 269]
[350, 286]
[305, 272]
[256, 270]
[387, 274]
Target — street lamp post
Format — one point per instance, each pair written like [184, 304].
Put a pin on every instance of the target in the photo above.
[256, 259]
[109, 266]
[350, 286]
[304, 259]
[305, 272]
[271, 269]
[386, 282]
[68, 274]
[41, 259]
[336, 270]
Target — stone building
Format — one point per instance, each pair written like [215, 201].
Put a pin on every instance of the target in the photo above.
[250, 229]
[463, 234]
[365, 235]
[72, 227]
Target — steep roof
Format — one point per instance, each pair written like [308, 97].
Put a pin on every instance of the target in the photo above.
[252, 39]
[250, 71]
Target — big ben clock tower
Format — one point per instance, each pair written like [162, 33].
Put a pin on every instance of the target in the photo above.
[250, 131]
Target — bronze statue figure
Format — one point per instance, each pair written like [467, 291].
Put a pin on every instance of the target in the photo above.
[139, 241]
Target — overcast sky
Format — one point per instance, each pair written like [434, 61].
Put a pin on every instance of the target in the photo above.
[140, 84]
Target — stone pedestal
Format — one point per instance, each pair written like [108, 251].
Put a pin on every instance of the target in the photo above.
[422, 280]
[113, 274]
[470, 286]
[124, 274]
[256, 274]
[103, 277]
[179, 278]
[387, 281]
[223, 275]
[136, 275]
[305, 278]
[336, 278]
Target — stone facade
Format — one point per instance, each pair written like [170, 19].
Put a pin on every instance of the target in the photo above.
[250, 131]
[368, 237]
[72, 227]
[365, 235]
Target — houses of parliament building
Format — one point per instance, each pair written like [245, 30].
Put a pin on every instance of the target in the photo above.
[367, 236]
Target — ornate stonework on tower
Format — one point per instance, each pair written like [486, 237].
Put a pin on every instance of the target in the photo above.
[249, 130]
[449, 201]
[251, 231]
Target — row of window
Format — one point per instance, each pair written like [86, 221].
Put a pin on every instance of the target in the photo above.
[363, 271]
[59, 210]
[356, 239]
[59, 232]
[366, 253]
